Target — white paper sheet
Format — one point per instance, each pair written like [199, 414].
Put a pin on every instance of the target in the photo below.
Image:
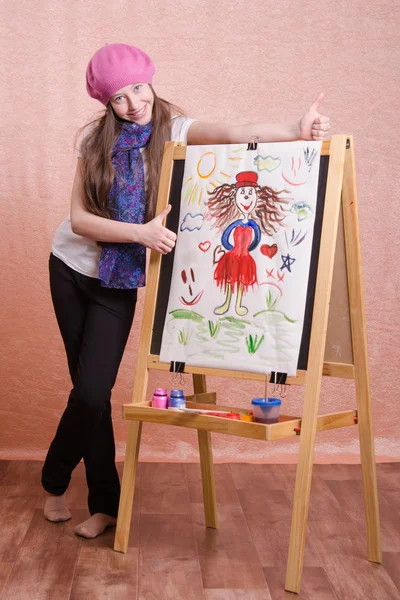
[242, 257]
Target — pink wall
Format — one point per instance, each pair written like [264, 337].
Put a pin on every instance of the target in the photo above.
[220, 61]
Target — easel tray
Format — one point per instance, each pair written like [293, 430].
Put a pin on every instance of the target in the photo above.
[288, 426]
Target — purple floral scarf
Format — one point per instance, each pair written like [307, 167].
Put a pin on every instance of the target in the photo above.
[123, 265]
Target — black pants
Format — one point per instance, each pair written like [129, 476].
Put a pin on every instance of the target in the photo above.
[95, 323]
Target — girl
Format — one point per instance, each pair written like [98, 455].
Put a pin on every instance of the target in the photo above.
[236, 270]
[98, 258]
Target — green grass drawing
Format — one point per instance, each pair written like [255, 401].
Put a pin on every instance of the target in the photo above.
[184, 336]
[253, 343]
[214, 329]
[272, 302]
[191, 315]
[235, 322]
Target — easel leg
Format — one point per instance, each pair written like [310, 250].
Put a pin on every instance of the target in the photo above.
[315, 364]
[370, 487]
[359, 339]
[301, 503]
[207, 477]
[128, 487]
[206, 463]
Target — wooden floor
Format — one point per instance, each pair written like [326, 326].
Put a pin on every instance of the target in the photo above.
[173, 556]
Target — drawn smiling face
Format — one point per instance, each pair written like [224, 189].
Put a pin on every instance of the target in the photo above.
[246, 199]
[188, 278]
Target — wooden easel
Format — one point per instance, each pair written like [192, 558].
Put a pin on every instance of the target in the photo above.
[340, 192]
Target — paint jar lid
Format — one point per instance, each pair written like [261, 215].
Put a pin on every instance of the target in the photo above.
[177, 393]
[233, 415]
[263, 402]
[160, 392]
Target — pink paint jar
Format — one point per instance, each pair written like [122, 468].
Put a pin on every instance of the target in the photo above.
[160, 398]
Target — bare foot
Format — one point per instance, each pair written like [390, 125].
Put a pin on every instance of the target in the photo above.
[95, 525]
[55, 508]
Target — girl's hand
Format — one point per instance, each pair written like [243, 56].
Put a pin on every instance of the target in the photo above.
[314, 126]
[157, 237]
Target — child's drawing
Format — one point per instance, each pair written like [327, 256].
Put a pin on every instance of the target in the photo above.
[266, 163]
[241, 262]
[309, 157]
[287, 262]
[260, 210]
[205, 246]
[192, 295]
[295, 171]
[296, 239]
[269, 250]
[192, 222]
[302, 210]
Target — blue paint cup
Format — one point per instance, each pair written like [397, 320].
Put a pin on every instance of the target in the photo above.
[266, 411]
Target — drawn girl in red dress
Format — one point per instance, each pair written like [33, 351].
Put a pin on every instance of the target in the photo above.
[236, 271]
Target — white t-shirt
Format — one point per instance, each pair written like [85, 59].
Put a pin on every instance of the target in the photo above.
[83, 254]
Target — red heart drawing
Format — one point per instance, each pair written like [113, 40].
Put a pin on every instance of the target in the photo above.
[205, 246]
[269, 251]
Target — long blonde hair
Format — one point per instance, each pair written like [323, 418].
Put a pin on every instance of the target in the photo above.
[96, 148]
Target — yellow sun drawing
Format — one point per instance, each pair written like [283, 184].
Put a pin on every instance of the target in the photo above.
[209, 174]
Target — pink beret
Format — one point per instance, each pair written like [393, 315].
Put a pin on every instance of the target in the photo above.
[113, 67]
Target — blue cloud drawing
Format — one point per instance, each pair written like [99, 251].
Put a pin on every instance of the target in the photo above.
[192, 222]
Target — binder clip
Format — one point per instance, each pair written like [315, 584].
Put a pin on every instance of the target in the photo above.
[279, 381]
[252, 145]
[177, 368]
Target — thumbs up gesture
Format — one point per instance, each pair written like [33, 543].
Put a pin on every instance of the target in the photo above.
[157, 237]
[313, 125]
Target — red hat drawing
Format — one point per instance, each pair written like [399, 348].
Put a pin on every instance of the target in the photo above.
[246, 178]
